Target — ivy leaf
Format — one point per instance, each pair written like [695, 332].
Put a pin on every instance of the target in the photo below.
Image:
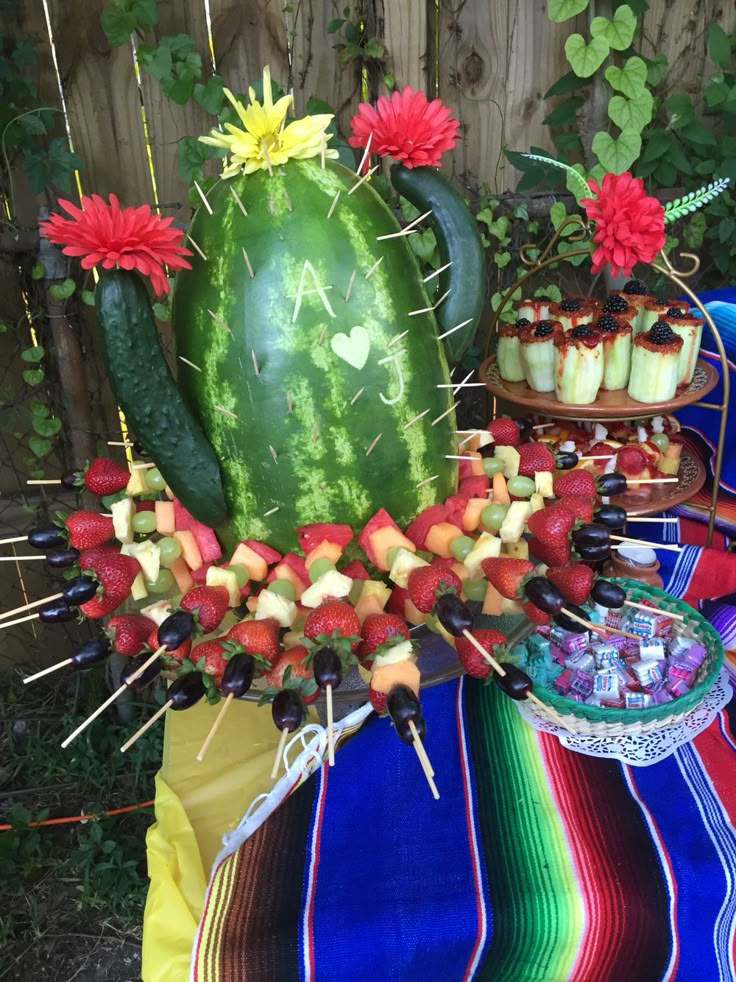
[618, 32]
[565, 113]
[559, 10]
[501, 259]
[657, 68]
[191, 155]
[423, 244]
[680, 109]
[499, 227]
[719, 44]
[38, 409]
[46, 427]
[630, 80]
[88, 297]
[631, 114]
[716, 93]
[118, 25]
[658, 144]
[617, 155]
[33, 376]
[564, 247]
[38, 272]
[564, 86]
[63, 290]
[557, 214]
[694, 232]
[33, 355]
[39, 446]
[210, 95]
[698, 134]
[586, 59]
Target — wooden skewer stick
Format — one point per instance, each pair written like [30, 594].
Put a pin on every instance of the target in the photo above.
[655, 480]
[45, 481]
[47, 671]
[216, 725]
[279, 753]
[671, 546]
[648, 518]
[423, 760]
[14, 559]
[543, 426]
[146, 726]
[111, 699]
[330, 733]
[22, 538]
[602, 629]
[119, 443]
[597, 456]
[34, 603]
[652, 610]
[18, 620]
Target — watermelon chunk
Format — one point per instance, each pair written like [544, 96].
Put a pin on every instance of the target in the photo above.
[456, 506]
[424, 521]
[473, 487]
[269, 555]
[310, 536]
[205, 538]
[356, 571]
[296, 564]
[380, 534]
[199, 575]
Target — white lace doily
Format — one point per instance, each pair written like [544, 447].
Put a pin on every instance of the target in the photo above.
[649, 748]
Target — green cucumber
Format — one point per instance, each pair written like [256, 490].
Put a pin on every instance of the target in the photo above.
[146, 392]
[459, 243]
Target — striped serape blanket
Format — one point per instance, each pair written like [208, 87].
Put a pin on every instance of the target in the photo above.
[535, 864]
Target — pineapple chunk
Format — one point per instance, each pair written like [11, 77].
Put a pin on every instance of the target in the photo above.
[148, 555]
[519, 550]
[217, 576]
[403, 564]
[511, 458]
[330, 584]
[158, 611]
[536, 501]
[487, 547]
[544, 481]
[138, 588]
[122, 519]
[511, 607]
[272, 604]
[396, 653]
[513, 524]
[137, 483]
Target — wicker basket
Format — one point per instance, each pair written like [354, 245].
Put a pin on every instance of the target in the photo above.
[602, 721]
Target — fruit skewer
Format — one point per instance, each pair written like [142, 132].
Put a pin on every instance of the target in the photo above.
[672, 547]
[236, 681]
[183, 693]
[90, 653]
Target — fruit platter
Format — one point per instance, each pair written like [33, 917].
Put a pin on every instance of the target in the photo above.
[300, 501]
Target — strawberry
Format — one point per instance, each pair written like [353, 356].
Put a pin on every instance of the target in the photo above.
[175, 657]
[115, 574]
[534, 613]
[631, 460]
[380, 632]
[507, 574]
[428, 583]
[88, 528]
[574, 581]
[104, 476]
[551, 555]
[128, 632]
[504, 431]
[209, 605]
[210, 657]
[535, 457]
[581, 507]
[258, 638]
[377, 700]
[292, 672]
[601, 449]
[576, 481]
[334, 624]
[551, 526]
[471, 659]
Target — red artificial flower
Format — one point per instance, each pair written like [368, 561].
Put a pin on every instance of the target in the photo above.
[405, 127]
[629, 225]
[131, 238]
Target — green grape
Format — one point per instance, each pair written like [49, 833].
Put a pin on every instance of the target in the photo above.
[521, 487]
[461, 546]
[284, 588]
[169, 549]
[242, 574]
[475, 589]
[154, 479]
[318, 568]
[162, 584]
[144, 522]
[492, 465]
[492, 516]
[391, 555]
[660, 440]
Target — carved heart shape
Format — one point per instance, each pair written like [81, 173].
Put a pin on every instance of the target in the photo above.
[353, 348]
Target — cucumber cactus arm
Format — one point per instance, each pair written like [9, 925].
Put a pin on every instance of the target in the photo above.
[461, 253]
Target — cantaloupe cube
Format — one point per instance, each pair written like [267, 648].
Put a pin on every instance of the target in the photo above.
[404, 562]
[514, 522]
[439, 538]
[492, 602]
[138, 589]
[384, 678]
[189, 548]
[325, 550]
[220, 576]
[411, 614]
[471, 515]
[180, 571]
[518, 550]
[255, 564]
[164, 511]
[460, 570]
[501, 494]
[252, 604]
[373, 598]
[487, 547]
[384, 539]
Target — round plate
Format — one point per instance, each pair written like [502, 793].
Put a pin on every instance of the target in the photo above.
[612, 405]
[692, 479]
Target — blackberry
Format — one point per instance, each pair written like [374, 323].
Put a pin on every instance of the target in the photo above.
[636, 287]
[615, 304]
[570, 304]
[607, 323]
[543, 328]
[521, 323]
[581, 331]
[661, 333]
[675, 312]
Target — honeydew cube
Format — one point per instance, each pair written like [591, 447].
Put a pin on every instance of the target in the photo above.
[180, 571]
[255, 564]
[487, 547]
[404, 562]
[514, 522]
[405, 672]
[510, 458]
[189, 549]
[543, 483]
[537, 502]
[518, 550]
[325, 550]
[272, 604]
[122, 519]
[137, 482]
[218, 576]
[439, 538]
[330, 584]
[164, 512]
[158, 611]
[138, 588]
[471, 515]
[148, 555]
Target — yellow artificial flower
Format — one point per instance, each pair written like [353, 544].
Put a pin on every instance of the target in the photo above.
[265, 141]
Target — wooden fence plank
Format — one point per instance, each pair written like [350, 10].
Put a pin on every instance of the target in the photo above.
[246, 37]
[679, 30]
[407, 41]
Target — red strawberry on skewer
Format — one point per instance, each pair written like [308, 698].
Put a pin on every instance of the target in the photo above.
[208, 604]
[577, 481]
[102, 476]
[471, 659]
[507, 575]
[129, 632]
[380, 633]
[334, 624]
[172, 657]
[504, 431]
[535, 457]
[87, 529]
[115, 574]
[535, 614]
[581, 507]
[573, 580]
[426, 584]
[291, 672]
[377, 701]
[551, 529]
[210, 658]
[258, 638]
